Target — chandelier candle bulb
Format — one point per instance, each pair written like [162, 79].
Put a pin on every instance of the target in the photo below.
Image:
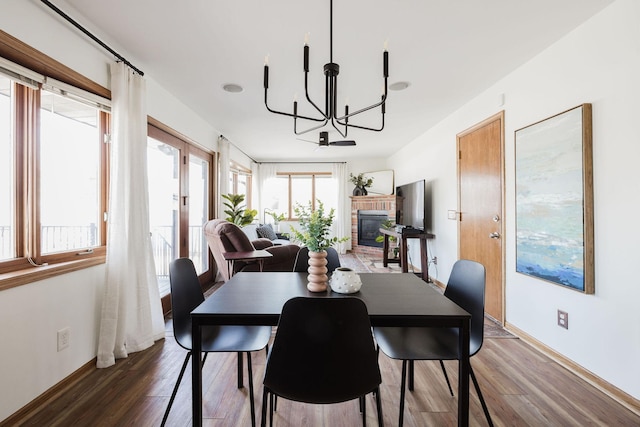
[266, 76]
[385, 60]
[306, 58]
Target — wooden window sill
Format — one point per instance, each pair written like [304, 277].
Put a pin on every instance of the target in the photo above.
[34, 274]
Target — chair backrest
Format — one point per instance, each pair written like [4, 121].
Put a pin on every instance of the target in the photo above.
[302, 260]
[333, 259]
[224, 236]
[466, 288]
[323, 351]
[186, 295]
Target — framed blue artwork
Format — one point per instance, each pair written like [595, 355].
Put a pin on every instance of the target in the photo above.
[554, 200]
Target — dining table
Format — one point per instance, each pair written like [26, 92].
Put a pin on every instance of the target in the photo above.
[392, 299]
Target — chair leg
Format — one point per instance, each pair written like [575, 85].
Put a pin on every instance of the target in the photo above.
[175, 388]
[403, 385]
[446, 377]
[265, 397]
[363, 408]
[252, 403]
[379, 407]
[411, 365]
[240, 373]
[482, 402]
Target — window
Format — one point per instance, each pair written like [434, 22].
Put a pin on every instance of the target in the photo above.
[7, 182]
[240, 182]
[52, 169]
[301, 188]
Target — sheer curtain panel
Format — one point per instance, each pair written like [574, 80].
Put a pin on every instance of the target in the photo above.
[343, 210]
[223, 165]
[131, 317]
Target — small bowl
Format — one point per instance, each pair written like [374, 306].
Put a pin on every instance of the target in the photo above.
[345, 281]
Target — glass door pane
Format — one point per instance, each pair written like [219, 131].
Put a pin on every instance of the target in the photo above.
[164, 191]
[7, 195]
[199, 190]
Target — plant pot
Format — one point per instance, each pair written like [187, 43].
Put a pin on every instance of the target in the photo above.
[317, 278]
[345, 281]
[359, 191]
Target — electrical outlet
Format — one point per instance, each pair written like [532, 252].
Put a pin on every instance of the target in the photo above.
[63, 338]
[563, 319]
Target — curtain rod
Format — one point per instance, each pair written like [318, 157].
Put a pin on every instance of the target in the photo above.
[94, 38]
[301, 163]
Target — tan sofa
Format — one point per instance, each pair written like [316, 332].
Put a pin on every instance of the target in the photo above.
[223, 236]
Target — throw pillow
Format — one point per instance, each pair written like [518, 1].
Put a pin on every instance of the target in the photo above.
[267, 232]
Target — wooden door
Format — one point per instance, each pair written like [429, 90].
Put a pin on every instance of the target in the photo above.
[480, 202]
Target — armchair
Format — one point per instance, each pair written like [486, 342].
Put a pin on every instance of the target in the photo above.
[223, 236]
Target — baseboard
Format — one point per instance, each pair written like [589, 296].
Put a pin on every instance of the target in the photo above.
[607, 388]
[22, 415]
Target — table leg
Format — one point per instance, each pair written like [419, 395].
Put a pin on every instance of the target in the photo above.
[403, 255]
[463, 374]
[385, 251]
[196, 373]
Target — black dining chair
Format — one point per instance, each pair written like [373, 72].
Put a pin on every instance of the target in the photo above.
[466, 288]
[186, 295]
[323, 352]
[302, 260]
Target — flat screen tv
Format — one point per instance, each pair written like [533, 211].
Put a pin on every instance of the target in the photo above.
[411, 206]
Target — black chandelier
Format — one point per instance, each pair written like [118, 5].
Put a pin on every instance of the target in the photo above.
[330, 113]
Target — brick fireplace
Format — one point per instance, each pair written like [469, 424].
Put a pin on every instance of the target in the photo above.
[376, 205]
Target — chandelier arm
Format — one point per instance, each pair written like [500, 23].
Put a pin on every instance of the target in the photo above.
[324, 123]
[346, 129]
[306, 95]
[362, 110]
[295, 116]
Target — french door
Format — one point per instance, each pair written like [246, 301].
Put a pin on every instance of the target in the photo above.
[180, 202]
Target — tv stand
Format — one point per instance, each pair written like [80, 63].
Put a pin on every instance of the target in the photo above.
[402, 238]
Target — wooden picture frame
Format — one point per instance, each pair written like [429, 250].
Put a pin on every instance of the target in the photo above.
[554, 200]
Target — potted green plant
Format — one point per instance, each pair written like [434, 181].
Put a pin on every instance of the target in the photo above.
[388, 224]
[314, 232]
[277, 219]
[236, 211]
[361, 184]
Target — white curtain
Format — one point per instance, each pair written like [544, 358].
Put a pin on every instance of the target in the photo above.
[131, 317]
[223, 165]
[343, 210]
[262, 174]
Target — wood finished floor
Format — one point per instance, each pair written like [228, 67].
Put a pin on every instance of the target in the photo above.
[522, 388]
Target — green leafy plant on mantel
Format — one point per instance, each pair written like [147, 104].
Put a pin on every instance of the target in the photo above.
[315, 227]
[236, 211]
[360, 180]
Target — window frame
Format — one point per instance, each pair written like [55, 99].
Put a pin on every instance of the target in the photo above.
[18, 271]
[235, 170]
[290, 176]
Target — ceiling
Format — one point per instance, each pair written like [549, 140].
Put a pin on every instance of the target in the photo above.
[448, 51]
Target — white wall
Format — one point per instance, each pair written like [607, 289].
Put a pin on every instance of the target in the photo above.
[598, 63]
[32, 314]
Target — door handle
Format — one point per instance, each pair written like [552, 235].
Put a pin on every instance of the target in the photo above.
[494, 235]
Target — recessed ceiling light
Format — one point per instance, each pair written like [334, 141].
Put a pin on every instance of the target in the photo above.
[398, 86]
[232, 88]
